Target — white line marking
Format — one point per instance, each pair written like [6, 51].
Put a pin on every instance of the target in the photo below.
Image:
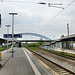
[28, 51]
[32, 65]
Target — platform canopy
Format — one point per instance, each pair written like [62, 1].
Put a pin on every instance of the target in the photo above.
[67, 38]
[2, 40]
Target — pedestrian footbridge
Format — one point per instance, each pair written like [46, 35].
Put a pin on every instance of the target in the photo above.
[37, 35]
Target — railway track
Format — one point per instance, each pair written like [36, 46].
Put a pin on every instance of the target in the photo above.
[55, 67]
[72, 58]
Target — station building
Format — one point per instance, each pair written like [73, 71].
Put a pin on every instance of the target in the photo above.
[66, 42]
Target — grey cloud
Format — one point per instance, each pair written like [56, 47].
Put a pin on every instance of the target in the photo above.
[32, 18]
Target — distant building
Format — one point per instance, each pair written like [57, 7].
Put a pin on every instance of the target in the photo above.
[65, 42]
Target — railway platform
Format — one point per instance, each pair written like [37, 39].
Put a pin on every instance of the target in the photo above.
[23, 63]
[67, 50]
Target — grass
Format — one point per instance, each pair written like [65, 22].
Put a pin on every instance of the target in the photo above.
[63, 54]
[33, 48]
[3, 48]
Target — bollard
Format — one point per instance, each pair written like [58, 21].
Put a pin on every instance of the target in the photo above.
[0, 56]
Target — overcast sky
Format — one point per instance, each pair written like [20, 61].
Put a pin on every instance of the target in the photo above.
[35, 18]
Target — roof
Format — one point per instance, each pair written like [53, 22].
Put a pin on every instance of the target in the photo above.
[67, 38]
[2, 40]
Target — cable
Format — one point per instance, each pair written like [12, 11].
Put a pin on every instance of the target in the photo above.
[70, 4]
[59, 13]
[18, 1]
[36, 2]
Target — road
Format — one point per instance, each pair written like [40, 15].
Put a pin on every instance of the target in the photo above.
[23, 63]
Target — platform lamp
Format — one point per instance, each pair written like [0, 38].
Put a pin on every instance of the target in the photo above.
[7, 35]
[12, 29]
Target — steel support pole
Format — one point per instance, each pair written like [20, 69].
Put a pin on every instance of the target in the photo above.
[12, 31]
[68, 29]
[7, 35]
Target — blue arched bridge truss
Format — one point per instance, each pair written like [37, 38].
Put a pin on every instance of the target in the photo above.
[37, 35]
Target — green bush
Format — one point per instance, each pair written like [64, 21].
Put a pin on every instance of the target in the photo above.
[3, 48]
[32, 45]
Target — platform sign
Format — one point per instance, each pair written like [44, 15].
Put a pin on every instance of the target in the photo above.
[17, 36]
[10, 35]
[7, 35]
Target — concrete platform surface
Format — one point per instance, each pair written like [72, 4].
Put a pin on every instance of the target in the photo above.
[23, 63]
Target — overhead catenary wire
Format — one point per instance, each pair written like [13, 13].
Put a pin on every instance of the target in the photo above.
[36, 2]
[59, 13]
[52, 6]
[18, 1]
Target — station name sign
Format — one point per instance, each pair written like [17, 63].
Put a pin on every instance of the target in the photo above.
[10, 35]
